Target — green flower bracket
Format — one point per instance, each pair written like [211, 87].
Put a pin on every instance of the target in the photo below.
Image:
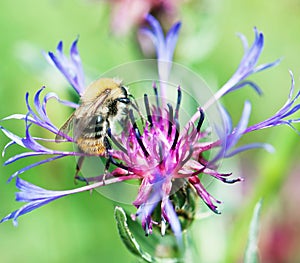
[134, 246]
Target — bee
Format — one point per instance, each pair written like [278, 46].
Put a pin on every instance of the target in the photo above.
[103, 102]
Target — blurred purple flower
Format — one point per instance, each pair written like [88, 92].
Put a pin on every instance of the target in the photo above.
[159, 153]
[134, 11]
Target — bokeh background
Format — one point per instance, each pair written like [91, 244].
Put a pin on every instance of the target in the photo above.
[81, 228]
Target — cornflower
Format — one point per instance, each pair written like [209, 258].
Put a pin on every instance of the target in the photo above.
[134, 11]
[167, 157]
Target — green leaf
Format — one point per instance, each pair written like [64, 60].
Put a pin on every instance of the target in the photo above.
[251, 254]
[128, 238]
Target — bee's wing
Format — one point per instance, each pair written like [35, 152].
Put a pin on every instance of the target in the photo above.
[85, 114]
[65, 129]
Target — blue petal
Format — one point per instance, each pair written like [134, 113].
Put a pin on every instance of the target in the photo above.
[29, 194]
[267, 147]
[37, 103]
[266, 66]
[6, 147]
[26, 209]
[51, 95]
[34, 165]
[252, 55]
[70, 68]
[30, 110]
[24, 155]
[75, 57]
[157, 36]
[164, 46]
[234, 137]
[36, 196]
[31, 144]
[59, 47]
[291, 111]
[13, 137]
[247, 66]
[173, 220]
[244, 83]
[171, 40]
[244, 42]
[279, 118]
[231, 136]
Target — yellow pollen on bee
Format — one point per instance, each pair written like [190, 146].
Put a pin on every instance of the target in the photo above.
[91, 146]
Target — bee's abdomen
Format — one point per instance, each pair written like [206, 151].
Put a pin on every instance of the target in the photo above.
[92, 146]
[91, 141]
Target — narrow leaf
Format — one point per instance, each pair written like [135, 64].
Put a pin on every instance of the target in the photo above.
[251, 254]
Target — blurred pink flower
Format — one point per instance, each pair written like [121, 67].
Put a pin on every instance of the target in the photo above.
[134, 11]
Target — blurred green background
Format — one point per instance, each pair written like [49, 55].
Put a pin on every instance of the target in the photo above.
[81, 228]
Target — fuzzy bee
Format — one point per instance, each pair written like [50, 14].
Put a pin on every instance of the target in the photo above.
[102, 104]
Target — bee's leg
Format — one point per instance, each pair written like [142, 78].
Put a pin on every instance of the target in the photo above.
[110, 159]
[78, 168]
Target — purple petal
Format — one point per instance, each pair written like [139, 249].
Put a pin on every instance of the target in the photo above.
[236, 134]
[171, 216]
[70, 68]
[205, 196]
[252, 54]
[49, 152]
[227, 120]
[18, 117]
[291, 111]
[246, 67]
[230, 137]
[222, 177]
[36, 196]
[243, 84]
[41, 119]
[29, 194]
[30, 111]
[13, 137]
[59, 47]
[267, 147]
[164, 46]
[24, 155]
[38, 105]
[171, 40]
[31, 144]
[6, 147]
[266, 66]
[25, 209]
[242, 125]
[75, 57]
[279, 118]
[51, 95]
[37, 121]
[244, 42]
[156, 34]
[34, 165]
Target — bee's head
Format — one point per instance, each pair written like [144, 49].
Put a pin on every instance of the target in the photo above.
[105, 88]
